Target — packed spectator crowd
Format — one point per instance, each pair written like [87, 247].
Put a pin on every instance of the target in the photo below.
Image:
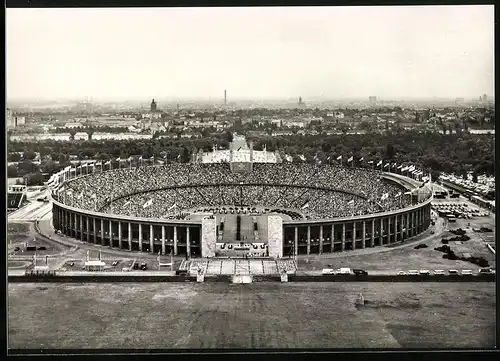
[319, 191]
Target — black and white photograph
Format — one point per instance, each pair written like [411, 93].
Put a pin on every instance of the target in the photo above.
[250, 178]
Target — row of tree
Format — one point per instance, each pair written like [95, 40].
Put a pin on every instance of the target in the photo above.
[450, 153]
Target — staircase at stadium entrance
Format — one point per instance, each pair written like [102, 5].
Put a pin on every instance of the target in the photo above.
[242, 270]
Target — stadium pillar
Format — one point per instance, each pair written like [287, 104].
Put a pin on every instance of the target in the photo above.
[343, 237]
[353, 236]
[395, 228]
[88, 228]
[120, 235]
[151, 239]
[372, 236]
[129, 236]
[381, 233]
[320, 239]
[296, 241]
[363, 237]
[163, 240]
[110, 233]
[81, 227]
[140, 237]
[332, 235]
[401, 235]
[175, 240]
[75, 227]
[188, 243]
[102, 232]
[308, 240]
[389, 230]
[95, 230]
[407, 225]
[413, 229]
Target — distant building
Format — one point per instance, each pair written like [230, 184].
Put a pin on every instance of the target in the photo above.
[339, 115]
[153, 106]
[485, 98]
[372, 99]
[71, 125]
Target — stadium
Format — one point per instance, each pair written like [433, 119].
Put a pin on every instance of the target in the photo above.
[239, 203]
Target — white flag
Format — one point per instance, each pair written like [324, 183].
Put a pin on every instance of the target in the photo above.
[350, 159]
[305, 205]
[118, 159]
[339, 157]
[108, 162]
[350, 202]
[362, 159]
[379, 163]
[148, 203]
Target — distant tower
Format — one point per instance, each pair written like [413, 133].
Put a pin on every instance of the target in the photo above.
[153, 106]
[372, 99]
[177, 106]
[485, 97]
[300, 100]
[225, 97]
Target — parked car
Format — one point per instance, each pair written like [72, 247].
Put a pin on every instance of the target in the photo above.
[466, 272]
[485, 271]
[413, 272]
[439, 272]
[452, 272]
[360, 272]
[401, 273]
[424, 272]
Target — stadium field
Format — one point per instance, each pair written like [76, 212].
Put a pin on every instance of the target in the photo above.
[260, 315]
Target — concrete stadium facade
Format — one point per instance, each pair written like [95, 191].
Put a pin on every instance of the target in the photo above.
[303, 236]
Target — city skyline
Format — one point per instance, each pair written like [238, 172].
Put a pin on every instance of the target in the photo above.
[399, 52]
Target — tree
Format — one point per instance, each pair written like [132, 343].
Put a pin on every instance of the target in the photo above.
[72, 133]
[34, 179]
[62, 158]
[14, 157]
[12, 171]
[29, 155]
[90, 131]
[48, 167]
[389, 151]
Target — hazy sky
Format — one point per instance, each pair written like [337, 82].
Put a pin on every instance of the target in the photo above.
[335, 52]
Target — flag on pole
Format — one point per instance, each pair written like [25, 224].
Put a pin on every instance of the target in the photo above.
[148, 203]
[361, 159]
[351, 202]
[339, 157]
[118, 159]
[108, 162]
[350, 159]
[129, 159]
[386, 165]
[302, 158]
[306, 205]
[379, 163]
[400, 166]
[370, 162]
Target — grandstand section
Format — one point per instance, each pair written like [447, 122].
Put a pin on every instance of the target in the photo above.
[206, 209]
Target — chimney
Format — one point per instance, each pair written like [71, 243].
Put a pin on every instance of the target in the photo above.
[225, 97]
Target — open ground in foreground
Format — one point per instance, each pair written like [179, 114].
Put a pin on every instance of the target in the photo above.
[259, 315]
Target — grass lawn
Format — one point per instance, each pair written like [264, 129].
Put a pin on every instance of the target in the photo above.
[259, 315]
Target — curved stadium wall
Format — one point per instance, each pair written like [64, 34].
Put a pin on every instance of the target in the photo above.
[306, 236]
